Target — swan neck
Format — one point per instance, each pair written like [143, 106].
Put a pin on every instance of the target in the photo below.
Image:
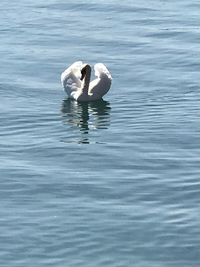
[86, 81]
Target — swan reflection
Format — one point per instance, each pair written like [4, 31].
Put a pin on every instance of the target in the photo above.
[86, 116]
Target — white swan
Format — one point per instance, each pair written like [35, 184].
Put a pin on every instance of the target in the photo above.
[76, 81]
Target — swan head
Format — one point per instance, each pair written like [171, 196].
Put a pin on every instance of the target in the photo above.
[86, 69]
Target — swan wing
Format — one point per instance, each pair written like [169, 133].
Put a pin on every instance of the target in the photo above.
[100, 69]
[70, 78]
[100, 86]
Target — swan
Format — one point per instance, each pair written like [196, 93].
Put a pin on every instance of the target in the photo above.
[76, 81]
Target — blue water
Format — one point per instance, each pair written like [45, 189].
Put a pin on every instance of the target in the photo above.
[114, 183]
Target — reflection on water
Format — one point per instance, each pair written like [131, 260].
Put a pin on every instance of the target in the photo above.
[86, 116]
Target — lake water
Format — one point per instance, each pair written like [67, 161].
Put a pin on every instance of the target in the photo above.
[114, 183]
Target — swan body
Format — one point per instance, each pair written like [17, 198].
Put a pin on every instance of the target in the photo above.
[76, 81]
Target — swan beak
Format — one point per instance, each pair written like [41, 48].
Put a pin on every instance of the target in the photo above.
[82, 74]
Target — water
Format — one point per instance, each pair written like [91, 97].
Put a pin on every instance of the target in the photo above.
[113, 183]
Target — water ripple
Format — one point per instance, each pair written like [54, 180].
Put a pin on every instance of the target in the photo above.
[130, 197]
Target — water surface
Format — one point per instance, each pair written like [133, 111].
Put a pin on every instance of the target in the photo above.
[110, 183]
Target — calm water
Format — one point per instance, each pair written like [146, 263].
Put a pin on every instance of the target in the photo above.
[114, 183]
